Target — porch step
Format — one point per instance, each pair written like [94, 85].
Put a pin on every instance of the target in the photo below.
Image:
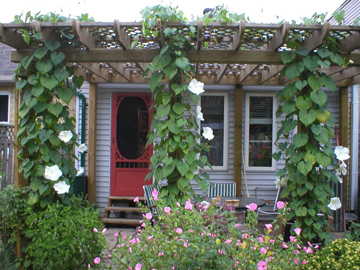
[121, 221]
[122, 209]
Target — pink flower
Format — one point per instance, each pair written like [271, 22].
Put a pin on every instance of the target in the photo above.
[262, 265]
[191, 231]
[309, 250]
[221, 251]
[186, 244]
[268, 226]
[148, 215]
[116, 234]
[237, 225]
[167, 210]
[155, 194]
[179, 230]
[188, 205]
[97, 260]
[136, 199]
[138, 266]
[178, 204]
[124, 237]
[161, 254]
[296, 251]
[303, 262]
[252, 206]
[292, 238]
[284, 245]
[95, 230]
[261, 240]
[280, 204]
[89, 266]
[104, 230]
[296, 261]
[297, 231]
[228, 241]
[263, 250]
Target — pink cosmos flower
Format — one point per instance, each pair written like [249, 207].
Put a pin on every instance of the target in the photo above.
[292, 238]
[97, 260]
[186, 244]
[262, 265]
[124, 237]
[272, 241]
[296, 251]
[148, 215]
[228, 241]
[136, 199]
[95, 230]
[268, 226]
[155, 194]
[261, 240]
[296, 261]
[138, 266]
[244, 235]
[167, 210]
[178, 204]
[188, 205]
[263, 250]
[104, 230]
[89, 266]
[116, 234]
[297, 231]
[252, 206]
[303, 262]
[280, 204]
[237, 225]
[161, 254]
[284, 245]
[191, 231]
[309, 250]
[179, 230]
[221, 251]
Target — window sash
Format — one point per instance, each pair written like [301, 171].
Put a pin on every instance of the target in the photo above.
[4, 108]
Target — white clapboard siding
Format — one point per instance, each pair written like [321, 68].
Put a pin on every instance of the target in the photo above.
[254, 179]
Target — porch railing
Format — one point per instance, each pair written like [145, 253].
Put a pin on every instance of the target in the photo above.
[7, 156]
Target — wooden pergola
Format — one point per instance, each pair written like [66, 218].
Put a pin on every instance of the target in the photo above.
[225, 54]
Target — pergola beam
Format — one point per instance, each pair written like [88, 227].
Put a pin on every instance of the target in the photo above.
[317, 38]
[97, 70]
[121, 36]
[119, 68]
[273, 71]
[350, 43]
[345, 74]
[84, 36]
[221, 72]
[248, 70]
[11, 38]
[279, 38]
[239, 36]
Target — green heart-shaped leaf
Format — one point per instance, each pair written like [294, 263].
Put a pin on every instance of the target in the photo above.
[160, 62]
[167, 170]
[33, 79]
[302, 51]
[329, 82]
[316, 129]
[33, 198]
[307, 117]
[323, 159]
[323, 137]
[40, 107]
[178, 108]
[27, 61]
[55, 109]
[319, 97]
[173, 127]
[52, 45]
[44, 66]
[20, 84]
[57, 57]
[289, 107]
[323, 53]
[182, 168]
[315, 83]
[78, 81]
[166, 98]
[168, 161]
[296, 157]
[182, 62]
[37, 90]
[303, 103]
[40, 53]
[31, 102]
[300, 139]
[300, 84]
[289, 91]
[176, 88]
[324, 64]
[311, 63]
[61, 74]
[162, 111]
[66, 94]
[304, 168]
[294, 70]
[49, 82]
[287, 56]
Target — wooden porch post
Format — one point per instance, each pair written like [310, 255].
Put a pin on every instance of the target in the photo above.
[344, 139]
[92, 142]
[238, 138]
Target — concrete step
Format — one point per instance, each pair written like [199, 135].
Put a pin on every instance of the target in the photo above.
[121, 221]
[122, 209]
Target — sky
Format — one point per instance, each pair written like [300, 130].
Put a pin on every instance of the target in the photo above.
[259, 11]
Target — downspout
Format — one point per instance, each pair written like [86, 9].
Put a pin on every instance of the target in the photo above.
[355, 148]
[82, 127]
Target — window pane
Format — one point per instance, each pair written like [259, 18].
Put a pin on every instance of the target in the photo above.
[213, 111]
[260, 131]
[4, 108]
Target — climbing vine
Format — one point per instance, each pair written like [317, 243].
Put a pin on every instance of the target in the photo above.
[309, 155]
[46, 130]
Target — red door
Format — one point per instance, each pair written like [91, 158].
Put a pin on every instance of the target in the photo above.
[130, 159]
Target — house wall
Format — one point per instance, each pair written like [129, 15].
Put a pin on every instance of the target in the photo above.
[254, 178]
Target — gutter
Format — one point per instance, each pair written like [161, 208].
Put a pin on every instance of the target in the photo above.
[354, 151]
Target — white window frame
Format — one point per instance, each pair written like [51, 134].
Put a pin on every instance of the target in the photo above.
[225, 165]
[247, 130]
[6, 93]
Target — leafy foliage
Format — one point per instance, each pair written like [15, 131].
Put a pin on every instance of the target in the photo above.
[309, 158]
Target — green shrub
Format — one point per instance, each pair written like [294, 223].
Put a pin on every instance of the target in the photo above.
[340, 254]
[63, 237]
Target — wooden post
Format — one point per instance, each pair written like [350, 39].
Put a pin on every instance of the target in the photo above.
[92, 143]
[344, 138]
[238, 138]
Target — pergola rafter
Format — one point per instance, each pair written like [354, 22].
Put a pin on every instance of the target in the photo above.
[235, 53]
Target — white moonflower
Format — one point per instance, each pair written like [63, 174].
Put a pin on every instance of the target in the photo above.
[52, 173]
[342, 153]
[208, 133]
[61, 187]
[334, 204]
[65, 136]
[82, 148]
[61, 120]
[338, 176]
[199, 115]
[80, 171]
[196, 87]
